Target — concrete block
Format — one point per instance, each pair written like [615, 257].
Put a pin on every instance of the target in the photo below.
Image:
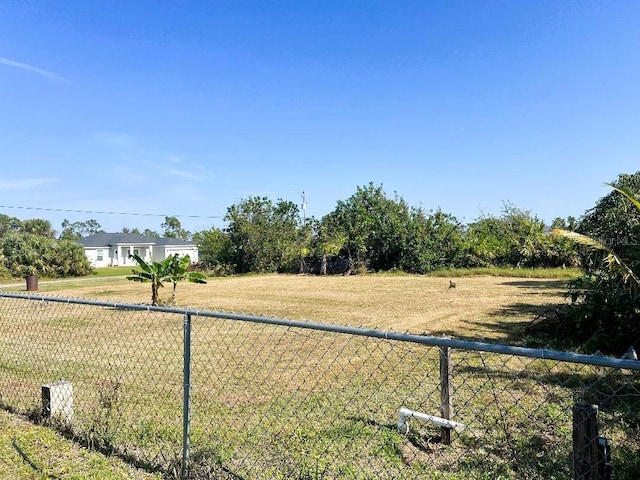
[57, 400]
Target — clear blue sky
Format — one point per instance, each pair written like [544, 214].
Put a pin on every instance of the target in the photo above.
[185, 108]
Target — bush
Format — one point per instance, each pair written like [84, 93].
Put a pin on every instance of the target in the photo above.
[604, 315]
[605, 302]
[30, 254]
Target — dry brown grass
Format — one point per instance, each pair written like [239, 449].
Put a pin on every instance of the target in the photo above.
[268, 399]
[479, 307]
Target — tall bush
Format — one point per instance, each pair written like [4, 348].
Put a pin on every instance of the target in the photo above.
[30, 254]
[605, 302]
[265, 237]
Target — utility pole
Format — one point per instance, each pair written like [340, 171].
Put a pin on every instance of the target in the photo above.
[304, 209]
[304, 224]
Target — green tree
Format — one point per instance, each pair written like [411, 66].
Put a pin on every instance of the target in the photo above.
[614, 221]
[179, 270]
[325, 242]
[604, 310]
[30, 254]
[265, 237]
[27, 254]
[374, 227]
[214, 248]
[172, 268]
[78, 230]
[68, 259]
[516, 238]
[172, 228]
[38, 226]
[9, 224]
[570, 223]
[435, 242]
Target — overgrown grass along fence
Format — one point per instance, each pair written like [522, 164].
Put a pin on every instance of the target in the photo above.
[271, 398]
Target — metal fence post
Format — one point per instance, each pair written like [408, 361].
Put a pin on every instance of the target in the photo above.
[446, 405]
[186, 401]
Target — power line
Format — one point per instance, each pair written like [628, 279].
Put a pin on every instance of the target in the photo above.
[107, 213]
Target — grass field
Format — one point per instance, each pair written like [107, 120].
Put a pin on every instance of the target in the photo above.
[278, 402]
[33, 452]
[489, 307]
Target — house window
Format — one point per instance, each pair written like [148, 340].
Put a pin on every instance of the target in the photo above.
[136, 251]
[99, 255]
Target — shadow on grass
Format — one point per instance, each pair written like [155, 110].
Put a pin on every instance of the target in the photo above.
[610, 389]
[512, 332]
[416, 438]
[34, 415]
[513, 322]
[537, 284]
[520, 332]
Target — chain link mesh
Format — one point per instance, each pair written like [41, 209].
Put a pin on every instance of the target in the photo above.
[271, 401]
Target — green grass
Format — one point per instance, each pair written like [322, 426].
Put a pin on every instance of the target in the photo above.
[548, 273]
[103, 272]
[32, 452]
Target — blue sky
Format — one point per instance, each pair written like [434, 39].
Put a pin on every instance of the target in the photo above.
[185, 108]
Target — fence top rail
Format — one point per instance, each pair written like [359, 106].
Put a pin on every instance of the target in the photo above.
[539, 353]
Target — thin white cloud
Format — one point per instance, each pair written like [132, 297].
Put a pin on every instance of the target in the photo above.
[177, 167]
[117, 139]
[183, 174]
[24, 183]
[30, 68]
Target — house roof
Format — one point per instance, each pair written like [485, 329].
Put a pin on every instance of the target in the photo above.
[172, 241]
[104, 239]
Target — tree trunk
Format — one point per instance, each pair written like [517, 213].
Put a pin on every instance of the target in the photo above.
[154, 293]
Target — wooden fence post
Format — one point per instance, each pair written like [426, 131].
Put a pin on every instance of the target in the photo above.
[446, 405]
[585, 442]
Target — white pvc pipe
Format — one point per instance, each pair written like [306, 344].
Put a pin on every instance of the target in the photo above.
[405, 414]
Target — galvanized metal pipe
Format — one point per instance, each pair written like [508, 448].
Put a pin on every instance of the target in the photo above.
[186, 402]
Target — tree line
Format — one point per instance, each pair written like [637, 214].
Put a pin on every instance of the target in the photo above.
[30, 247]
[378, 232]
[373, 230]
[33, 247]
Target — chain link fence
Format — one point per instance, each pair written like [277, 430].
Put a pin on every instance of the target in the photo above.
[216, 395]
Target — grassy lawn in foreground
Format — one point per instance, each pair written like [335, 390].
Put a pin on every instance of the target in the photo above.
[33, 452]
[339, 394]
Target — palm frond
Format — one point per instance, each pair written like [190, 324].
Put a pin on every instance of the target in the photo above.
[611, 259]
[581, 239]
[627, 193]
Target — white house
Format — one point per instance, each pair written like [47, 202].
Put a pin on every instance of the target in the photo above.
[113, 249]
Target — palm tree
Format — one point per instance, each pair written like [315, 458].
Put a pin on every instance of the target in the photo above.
[604, 313]
[614, 262]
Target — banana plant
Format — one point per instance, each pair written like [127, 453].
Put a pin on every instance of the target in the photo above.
[173, 268]
[179, 270]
